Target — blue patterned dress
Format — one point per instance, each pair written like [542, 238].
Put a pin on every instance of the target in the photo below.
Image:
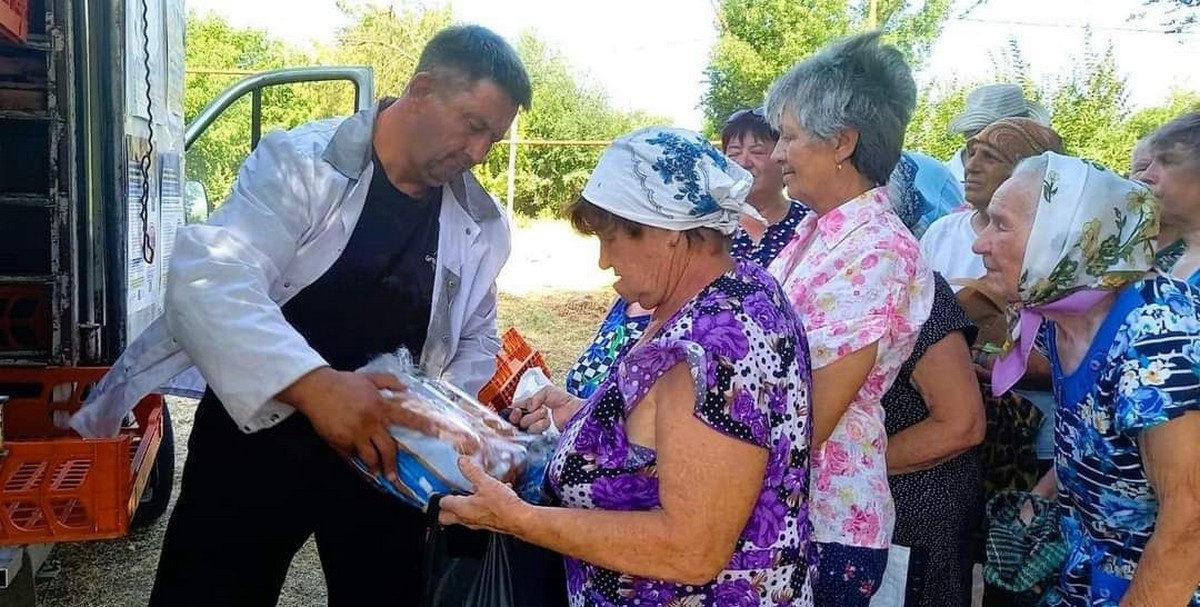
[746, 350]
[1142, 370]
[774, 238]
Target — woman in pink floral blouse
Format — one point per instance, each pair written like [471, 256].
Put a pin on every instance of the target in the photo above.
[856, 277]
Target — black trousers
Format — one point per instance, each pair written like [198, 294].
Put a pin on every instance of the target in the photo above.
[248, 502]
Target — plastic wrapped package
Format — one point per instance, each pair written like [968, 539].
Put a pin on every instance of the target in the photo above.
[427, 460]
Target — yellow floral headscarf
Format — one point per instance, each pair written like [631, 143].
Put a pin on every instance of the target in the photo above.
[1094, 232]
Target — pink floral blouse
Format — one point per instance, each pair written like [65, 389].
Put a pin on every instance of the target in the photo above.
[856, 276]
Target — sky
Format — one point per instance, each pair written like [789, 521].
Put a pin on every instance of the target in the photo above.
[650, 54]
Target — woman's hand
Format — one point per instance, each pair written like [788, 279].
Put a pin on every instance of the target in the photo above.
[534, 413]
[494, 506]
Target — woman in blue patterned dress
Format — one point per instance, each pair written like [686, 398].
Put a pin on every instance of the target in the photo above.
[683, 479]
[1073, 243]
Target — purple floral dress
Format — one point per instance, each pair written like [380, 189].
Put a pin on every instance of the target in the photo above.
[749, 359]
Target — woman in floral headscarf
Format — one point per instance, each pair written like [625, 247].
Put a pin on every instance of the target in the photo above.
[1073, 243]
[684, 476]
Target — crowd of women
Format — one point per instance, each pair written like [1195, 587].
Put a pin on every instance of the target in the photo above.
[828, 354]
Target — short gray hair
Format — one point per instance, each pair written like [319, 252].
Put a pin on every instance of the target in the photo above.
[855, 83]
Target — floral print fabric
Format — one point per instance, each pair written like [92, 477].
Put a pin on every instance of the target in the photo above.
[1141, 371]
[856, 277]
[748, 357]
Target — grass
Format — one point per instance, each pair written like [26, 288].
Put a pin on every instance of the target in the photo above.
[558, 323]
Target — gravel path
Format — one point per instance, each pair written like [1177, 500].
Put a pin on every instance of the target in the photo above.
[121, 572]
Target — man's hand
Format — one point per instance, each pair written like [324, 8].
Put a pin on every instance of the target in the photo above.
[348, 411]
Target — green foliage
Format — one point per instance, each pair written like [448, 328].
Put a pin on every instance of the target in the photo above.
[565, 107]
[389, 39]
[1089, 106]
[213, 45]
[760, 39]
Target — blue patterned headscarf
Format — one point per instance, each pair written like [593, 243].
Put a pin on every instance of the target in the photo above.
[922, 190]
[669, 178]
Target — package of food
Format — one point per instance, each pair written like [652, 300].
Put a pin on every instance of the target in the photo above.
[427, 459]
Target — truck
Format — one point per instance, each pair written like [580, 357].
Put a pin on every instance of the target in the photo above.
[94, 182]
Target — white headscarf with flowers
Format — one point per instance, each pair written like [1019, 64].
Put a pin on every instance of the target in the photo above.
[1093, 232]
[669, 178]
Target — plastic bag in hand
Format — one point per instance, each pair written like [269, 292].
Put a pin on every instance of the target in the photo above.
[428, 463]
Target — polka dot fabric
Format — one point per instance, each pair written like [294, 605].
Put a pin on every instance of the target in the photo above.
[748, 357]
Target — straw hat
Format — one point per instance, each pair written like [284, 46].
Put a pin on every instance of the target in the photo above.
[992, 102]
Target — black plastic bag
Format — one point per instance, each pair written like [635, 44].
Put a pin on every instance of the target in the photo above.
[466, 568]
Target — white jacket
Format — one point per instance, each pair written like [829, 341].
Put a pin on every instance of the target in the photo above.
[290, 215]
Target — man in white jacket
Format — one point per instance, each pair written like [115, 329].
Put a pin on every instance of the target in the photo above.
[342, 239]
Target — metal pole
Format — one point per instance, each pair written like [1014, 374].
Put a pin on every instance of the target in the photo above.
[512, 165]
[873, 15]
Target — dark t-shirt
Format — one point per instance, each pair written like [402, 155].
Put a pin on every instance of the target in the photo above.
[377, 295]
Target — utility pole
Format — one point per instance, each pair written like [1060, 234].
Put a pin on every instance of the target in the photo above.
[873, 15]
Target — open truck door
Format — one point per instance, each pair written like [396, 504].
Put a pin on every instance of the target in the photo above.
[94, 181]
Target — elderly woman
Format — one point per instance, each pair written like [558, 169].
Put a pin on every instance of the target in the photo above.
[1140, 159]
[748, 140]
[855, 275]
[684, 477]
[991, 156]
[1173, 174]
[1072, 243]
[1020, 442]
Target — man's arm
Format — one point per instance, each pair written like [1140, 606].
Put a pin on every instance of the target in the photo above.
[1169, 570]
[218, 303]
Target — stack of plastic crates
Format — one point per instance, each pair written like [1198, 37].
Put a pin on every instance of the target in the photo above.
[56, 486]
[516, 356]
[14, 19]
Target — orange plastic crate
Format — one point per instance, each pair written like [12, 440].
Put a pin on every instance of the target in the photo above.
[14, 20]
[515, 357]
[56, 486]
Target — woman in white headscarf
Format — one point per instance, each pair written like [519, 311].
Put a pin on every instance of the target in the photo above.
[683, 478]
[1073, 243]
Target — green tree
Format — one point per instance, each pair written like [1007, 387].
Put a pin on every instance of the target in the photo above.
[1090, 107]
[760, 39]
[1145, 121]
[389, 39]
[213, 45]
[565, 107]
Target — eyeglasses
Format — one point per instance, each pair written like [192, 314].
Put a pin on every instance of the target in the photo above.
[757, 112]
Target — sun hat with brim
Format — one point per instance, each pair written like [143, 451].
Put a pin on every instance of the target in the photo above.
[993, 102]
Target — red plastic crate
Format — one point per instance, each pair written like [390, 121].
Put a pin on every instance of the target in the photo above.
[14, 20]
[515, 357]
[56, 486]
